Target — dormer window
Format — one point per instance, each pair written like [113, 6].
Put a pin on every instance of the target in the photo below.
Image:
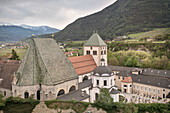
[91, 48]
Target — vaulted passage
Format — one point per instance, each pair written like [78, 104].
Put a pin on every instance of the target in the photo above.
[85, 78]
[26, 94]
[61, 92]
[72, 88]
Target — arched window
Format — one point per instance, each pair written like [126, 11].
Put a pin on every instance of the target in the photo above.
[15, 93]
[38, 95]
[85, 78]
[125, 85]
[72, 88]
[61, 92]
[103, 59]
[4, 93]
[50, 95]
[96, 96]
[26, 94]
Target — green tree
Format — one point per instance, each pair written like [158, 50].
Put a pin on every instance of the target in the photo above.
[104, 97]
[14, 55]
[132, 62]
[113, 61]
[2, 102]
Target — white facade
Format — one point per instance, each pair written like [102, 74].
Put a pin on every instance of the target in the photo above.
[99, 82]
[115, 97]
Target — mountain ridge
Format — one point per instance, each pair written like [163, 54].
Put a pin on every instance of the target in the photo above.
[121, 18]
[11, 32]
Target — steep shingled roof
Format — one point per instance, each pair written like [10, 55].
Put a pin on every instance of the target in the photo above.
[150, 80]
[95, 40]
[7, 69]
[83, 64]
[45, 63]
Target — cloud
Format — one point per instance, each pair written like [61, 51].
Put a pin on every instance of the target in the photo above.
[55, 13]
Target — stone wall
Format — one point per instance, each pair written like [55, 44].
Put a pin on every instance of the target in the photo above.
[46, 91]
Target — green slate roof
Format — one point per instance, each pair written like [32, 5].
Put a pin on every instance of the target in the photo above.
[95, 40]
[44, 63]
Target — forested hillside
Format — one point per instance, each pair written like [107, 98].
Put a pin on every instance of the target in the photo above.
[121, 18]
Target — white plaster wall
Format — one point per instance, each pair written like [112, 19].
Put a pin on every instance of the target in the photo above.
[115, 97]
[92, 94]
[86, 90]
[8, 92]
[80, 77]
[101, 81]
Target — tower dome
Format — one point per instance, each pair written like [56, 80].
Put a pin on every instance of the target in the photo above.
[102, 71]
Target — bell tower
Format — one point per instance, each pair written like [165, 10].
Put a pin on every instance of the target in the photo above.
[96, 47]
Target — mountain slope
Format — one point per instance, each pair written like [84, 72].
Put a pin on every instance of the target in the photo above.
[122, 17]
[9, 32]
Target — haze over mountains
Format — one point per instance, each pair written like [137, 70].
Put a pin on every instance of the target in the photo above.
[10, 32]
[121, 18]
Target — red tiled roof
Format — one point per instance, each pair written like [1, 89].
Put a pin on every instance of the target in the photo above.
[127, 80]
[83, 64]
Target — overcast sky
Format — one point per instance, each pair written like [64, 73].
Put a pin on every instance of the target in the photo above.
[54, 13]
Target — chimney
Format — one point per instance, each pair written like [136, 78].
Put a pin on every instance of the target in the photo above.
[82, 94]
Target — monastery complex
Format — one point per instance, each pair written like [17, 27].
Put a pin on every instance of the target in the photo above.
[45, 73]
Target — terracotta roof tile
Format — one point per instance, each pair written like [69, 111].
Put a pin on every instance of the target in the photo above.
[127, 79]
[83, 64]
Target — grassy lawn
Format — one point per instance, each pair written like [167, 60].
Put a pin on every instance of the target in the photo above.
[151, 34]
[6, 52]
[78, 42]
[19, 108]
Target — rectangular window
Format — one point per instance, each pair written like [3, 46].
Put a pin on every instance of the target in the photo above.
[94, 52]
[88, 52]
[146, 89]
[137, 87]
[97, 82]
[101, 52]
[4, 93]
[133, 86]
[105, 82]
[149, 89]
[141, 88]
[104, 51]
[158, 92]
[111, 81]
[153, 90]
